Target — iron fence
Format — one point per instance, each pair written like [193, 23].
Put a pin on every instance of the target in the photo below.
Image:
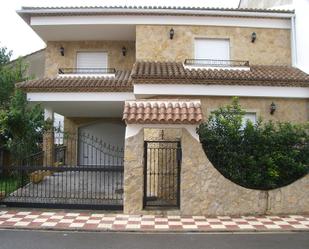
[162, 173]
[61, 176]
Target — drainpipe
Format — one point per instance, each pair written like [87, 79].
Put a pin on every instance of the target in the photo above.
[293, 41]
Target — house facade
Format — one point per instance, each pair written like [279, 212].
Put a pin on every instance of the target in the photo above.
[141, 79]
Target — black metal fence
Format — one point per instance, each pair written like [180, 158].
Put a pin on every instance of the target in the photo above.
[71, 180]
[162, 173]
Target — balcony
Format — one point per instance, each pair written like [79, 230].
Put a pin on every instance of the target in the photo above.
[216, 64]
[86, 72]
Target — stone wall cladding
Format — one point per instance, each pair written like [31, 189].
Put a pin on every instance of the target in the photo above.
[133, 174]
[204, 190]
[54, 61]
[272, 46]
[288, 109]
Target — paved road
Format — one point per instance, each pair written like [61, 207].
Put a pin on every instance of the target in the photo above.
[10, 239]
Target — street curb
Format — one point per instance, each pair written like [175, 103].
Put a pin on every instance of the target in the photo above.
[166, 231]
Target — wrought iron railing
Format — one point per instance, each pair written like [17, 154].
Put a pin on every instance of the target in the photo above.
[216, 63]
[86, 71]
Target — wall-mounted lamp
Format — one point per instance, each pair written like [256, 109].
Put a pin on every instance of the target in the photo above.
[172, 32]
[273, 108]
[61, 50]
[253, 37]
[124, 51]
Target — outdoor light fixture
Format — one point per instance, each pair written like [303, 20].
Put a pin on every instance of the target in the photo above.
[172, 32]
[61, 51]
[124, 51]
[253, 37]
[272, 108]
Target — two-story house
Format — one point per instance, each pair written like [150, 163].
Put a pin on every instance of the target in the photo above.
[109, 70]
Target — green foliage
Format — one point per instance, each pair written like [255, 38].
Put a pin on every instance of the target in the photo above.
[21, 125]
[9, 184]
[262, 155]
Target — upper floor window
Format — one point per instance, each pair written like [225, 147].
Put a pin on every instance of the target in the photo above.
[214, 49]
[249, 116]
[90, 64]
[91, 60]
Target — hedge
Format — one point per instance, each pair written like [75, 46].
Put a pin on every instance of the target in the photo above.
[265, 155]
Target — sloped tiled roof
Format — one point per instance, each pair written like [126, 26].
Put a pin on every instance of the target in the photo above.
[161, 8]
[162, 112]
[120, 83]
[176, 73]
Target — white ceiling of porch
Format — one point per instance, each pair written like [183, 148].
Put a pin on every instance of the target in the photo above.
[110, 109]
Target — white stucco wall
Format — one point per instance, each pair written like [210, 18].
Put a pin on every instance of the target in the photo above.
[110, 133]
[302, 34]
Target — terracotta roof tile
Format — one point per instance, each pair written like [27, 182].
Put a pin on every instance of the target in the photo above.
[120, 83]
[162, 112]
[176, 73]
[125, 10]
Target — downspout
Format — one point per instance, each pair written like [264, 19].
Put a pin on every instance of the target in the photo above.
[293, 41]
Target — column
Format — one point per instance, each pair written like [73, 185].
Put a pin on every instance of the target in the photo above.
[48, 138]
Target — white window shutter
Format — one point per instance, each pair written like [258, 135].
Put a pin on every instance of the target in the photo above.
[214, 49]
[91, 60]
[249, 116]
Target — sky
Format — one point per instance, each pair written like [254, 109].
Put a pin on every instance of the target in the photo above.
[17, 36]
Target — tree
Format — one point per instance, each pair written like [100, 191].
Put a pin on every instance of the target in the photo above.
[264, 155]
[21, 125]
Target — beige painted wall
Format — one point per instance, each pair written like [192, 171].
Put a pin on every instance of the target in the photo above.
[272, 46]
[54, 60]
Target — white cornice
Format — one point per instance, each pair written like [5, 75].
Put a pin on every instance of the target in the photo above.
[148, 90]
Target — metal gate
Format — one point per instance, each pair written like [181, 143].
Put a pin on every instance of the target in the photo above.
[162, 173]
[66, 183]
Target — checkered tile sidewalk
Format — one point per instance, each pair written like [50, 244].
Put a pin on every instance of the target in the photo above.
[61, 220]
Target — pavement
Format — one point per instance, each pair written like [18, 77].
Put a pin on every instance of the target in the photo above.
[20, 239]
[98, 221]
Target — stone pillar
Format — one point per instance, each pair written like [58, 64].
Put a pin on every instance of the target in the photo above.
[48, 138]
[134, 174]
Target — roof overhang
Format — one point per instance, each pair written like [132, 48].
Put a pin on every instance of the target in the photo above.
[54, 24]
[86, 104]
[26, 11]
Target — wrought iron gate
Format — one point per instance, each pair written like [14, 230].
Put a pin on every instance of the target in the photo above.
[66, 183]
[162, 173]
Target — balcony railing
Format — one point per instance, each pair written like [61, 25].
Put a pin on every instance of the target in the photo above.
[87, 71]
[215, 63]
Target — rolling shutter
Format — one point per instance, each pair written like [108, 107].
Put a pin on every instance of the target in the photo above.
[215, 49]
[91, 60]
